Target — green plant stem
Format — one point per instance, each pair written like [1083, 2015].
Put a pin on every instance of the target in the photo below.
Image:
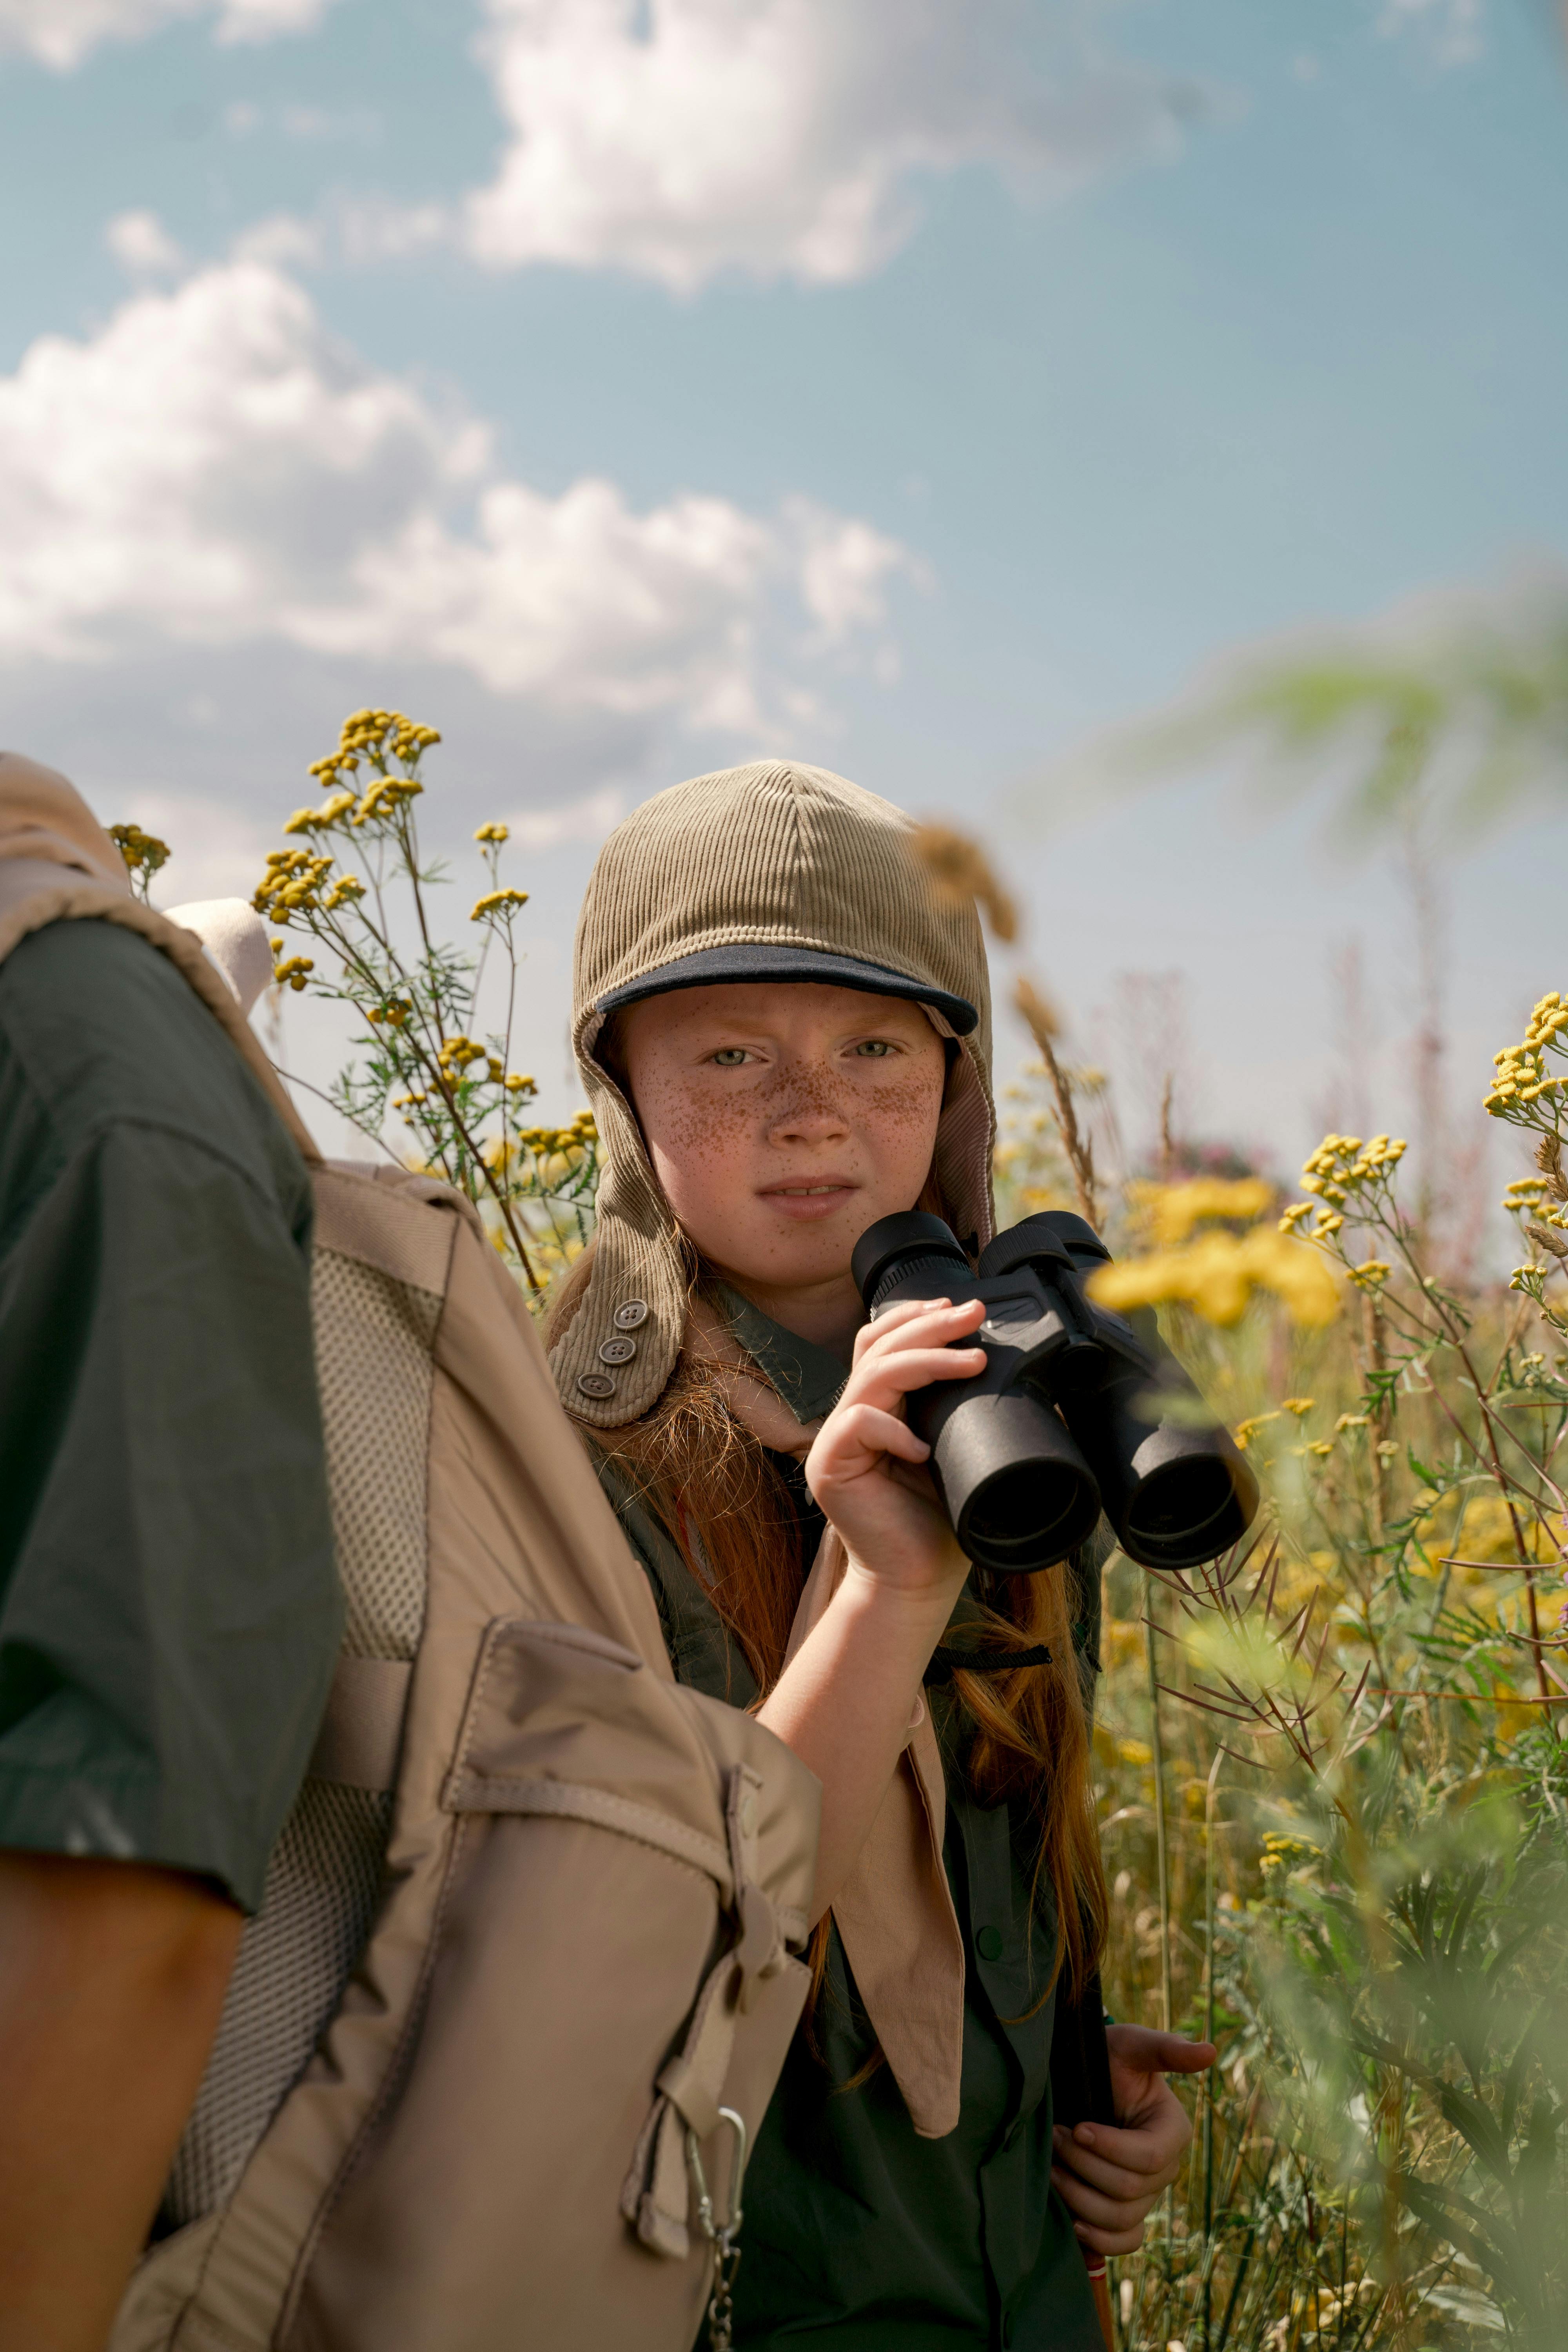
[1157, 1744]
[1372, 1316]
[430, 1064]
[1210, 1794]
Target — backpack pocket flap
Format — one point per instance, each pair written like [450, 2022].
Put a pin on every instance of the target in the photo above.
[563, 1721]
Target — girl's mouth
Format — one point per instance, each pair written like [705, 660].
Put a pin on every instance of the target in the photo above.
[810, 1199]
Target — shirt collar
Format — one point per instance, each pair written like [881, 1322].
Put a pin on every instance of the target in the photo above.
[809, 1378]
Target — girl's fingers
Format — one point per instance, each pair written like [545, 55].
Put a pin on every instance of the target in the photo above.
[1109, 2241]
[857, 1431]
[885, 1378]
[1111, 2179]
[1145, 2149]
[916, 1323]
[893, 1318]
[1088, 2205]
[1143, 2050]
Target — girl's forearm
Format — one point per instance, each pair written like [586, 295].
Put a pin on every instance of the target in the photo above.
[845, 1705]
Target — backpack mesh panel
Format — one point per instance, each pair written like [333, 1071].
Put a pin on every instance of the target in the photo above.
[374, 1338]
[294, 1960]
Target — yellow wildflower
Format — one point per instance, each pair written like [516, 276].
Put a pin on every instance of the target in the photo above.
[1217, 1273]
[144, 853]
[1172, 1211]
[497, 902]
[458, 1052]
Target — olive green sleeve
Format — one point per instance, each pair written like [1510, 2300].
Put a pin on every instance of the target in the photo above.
[169, 1603]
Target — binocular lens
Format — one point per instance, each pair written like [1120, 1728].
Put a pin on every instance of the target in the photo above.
[1018, 1491]
[1022, 1518]
[1185, 1512]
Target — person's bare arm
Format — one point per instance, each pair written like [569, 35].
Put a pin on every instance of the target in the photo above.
[112, 1982]
[844, 1702]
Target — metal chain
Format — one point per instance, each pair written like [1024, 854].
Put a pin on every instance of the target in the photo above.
[720, 2303]
[723, 2238]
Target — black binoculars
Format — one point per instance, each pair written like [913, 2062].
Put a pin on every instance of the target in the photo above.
[1077, 1410]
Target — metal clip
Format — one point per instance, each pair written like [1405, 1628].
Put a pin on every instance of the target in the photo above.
[722, 2237]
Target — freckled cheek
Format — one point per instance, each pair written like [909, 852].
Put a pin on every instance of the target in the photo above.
[688, 1121]
[701, 1144]
[901, 1116]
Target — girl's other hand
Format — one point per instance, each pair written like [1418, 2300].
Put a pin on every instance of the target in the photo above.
[867, 1466]
[1109, 2175]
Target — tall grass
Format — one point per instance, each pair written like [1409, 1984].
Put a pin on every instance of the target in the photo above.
[1333, 1794]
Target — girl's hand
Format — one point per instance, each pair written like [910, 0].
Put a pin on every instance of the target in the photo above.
[1109, 2175]
[865, 1467]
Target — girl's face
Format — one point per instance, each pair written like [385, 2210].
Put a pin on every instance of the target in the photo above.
[783, 1120]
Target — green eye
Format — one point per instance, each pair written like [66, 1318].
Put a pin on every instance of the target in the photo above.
[875, 1045]
[730, 1057]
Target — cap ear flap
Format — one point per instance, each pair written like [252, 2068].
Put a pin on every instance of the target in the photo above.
[930, 1201]
[609, 1051]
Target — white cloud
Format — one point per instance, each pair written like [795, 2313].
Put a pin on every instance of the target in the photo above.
[61, 33]
[680, 138]
[282, 239]
[844, 569]
[1454, 29]
[141, 244]
[589, 819]
[214, 470]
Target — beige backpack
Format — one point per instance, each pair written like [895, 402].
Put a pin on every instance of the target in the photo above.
[521, 1983]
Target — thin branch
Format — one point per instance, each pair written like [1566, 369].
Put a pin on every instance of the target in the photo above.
[1079, 1149]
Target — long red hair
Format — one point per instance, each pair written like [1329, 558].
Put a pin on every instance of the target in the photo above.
[721, 1498]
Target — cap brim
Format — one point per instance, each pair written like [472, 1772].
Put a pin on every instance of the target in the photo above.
[745, 960]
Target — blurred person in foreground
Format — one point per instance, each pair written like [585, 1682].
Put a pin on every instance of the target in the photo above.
[785, 1037]
[169, 1604]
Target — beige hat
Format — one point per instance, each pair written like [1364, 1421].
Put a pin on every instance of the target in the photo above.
[766, 872]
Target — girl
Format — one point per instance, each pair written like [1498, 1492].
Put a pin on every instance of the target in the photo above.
[785, 1035]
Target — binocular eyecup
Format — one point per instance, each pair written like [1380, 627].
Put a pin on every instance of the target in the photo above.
[1078, 1410]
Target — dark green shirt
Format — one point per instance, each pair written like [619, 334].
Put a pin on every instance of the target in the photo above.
[859, 2236]
[169, 1607]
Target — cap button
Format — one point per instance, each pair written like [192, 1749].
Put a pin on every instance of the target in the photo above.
[617, 1352]
[630, 1314]
[596, 1384]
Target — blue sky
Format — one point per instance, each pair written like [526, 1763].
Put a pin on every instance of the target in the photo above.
[961, 382]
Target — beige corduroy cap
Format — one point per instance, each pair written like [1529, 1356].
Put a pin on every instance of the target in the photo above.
[771, 871]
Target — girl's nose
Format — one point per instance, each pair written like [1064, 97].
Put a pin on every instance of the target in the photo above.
[803, 1116]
